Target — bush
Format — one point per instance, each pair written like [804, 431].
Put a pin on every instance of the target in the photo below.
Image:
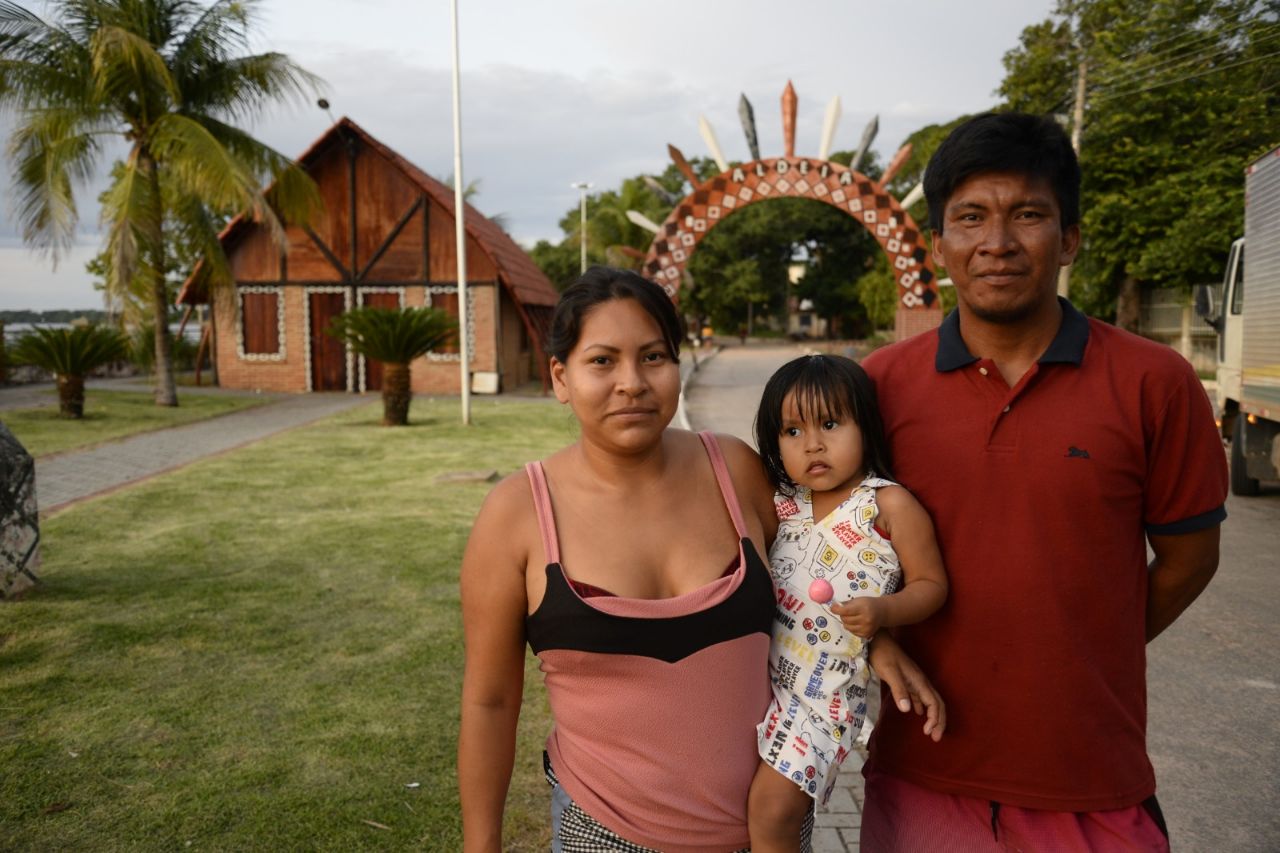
[71, 355]
[394, 337]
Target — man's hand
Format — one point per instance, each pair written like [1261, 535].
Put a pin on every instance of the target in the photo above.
[910, 688]
[861, 616]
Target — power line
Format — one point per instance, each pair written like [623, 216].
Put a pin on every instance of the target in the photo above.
[1177, 63]
[1106, 96]
[1193, 35]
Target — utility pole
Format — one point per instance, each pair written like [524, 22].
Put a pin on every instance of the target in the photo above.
[1077, 121]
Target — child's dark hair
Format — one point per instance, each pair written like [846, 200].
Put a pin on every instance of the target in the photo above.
[602, 284]
[824, 386]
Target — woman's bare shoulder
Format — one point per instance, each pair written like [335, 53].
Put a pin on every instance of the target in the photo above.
[509, 504]
[744, 463]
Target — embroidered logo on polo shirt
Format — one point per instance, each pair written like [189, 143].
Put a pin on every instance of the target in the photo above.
[1077, 453]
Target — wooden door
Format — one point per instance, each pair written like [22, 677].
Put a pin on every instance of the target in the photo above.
[373, 369]
[328, 354]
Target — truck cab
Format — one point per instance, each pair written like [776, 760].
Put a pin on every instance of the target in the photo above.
[1247, 320]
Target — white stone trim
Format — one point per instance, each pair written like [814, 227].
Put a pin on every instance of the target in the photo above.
[279, 354]
[471, 321]
[360, 360]
[306, 329]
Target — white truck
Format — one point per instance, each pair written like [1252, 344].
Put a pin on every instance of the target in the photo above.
[1248, 324]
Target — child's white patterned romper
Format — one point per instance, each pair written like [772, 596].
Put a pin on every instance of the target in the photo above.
[818, 669]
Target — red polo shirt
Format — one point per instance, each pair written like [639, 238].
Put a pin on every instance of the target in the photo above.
[1042, 495]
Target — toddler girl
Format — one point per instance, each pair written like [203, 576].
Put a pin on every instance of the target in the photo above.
[819, 432]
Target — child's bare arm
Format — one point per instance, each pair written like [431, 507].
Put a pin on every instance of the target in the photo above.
[924, 582]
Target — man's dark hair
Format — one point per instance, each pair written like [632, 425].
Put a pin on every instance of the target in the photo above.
[1027, 144]
[825, 386]
[602, 284]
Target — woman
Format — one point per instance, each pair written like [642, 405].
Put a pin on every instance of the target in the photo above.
[632, 562]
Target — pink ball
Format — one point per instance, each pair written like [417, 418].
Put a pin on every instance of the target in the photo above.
[821, 591]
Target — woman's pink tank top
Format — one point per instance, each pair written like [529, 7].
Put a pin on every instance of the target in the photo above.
[656, 701]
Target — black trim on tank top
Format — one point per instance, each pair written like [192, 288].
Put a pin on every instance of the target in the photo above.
[564, 621]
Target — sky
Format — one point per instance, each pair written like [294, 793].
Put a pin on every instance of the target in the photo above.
[558, 91]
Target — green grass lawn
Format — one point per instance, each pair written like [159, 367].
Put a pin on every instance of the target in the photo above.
[264, 650]
[110, 415]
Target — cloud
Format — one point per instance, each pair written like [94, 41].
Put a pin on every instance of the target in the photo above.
[574, 90]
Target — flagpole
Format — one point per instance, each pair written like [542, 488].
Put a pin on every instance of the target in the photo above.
[459, 226]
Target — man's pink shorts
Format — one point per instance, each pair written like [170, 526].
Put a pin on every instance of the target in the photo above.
[899, 817]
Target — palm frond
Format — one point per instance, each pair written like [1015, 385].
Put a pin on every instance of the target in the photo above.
[126, 64]
[52, 150]
[201, 165]
[70, 352]
[132, 212]
[394, 336]
[294, 196]
[218, 31]
[239, 88]
[199, 228]
[40, 63]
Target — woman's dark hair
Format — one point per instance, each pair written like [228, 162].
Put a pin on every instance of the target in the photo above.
[602, 284]
[824, 386]
[1026, 144]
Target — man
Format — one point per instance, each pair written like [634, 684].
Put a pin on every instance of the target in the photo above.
[1049, 449]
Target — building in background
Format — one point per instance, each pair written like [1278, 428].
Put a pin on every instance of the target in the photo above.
[385, 237]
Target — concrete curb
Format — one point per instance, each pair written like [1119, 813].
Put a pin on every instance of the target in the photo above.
[686, 380]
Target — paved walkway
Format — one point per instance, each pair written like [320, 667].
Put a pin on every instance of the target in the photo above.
[722, 396]
[73, 476]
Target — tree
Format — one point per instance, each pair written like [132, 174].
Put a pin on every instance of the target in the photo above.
[395, 338]
[171, 77]
[129, 301]
[1181, 95]
[560, 262]
[923, 143]
[71, 355]
[745, 261]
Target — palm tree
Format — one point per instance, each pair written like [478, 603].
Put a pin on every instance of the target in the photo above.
[394, 337]
[71, 355]
[170, 77]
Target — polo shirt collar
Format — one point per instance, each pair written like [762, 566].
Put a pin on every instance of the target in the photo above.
[1067, 346]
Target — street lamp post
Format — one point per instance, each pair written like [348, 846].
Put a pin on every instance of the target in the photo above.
[582, 187]
[460, 233]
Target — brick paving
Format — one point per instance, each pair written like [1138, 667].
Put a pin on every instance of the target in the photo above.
[722, 395]
[68, 477]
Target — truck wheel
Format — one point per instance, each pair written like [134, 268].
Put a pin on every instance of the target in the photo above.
[1241, 483]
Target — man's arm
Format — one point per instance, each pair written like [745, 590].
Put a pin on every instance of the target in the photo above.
[1183, 567]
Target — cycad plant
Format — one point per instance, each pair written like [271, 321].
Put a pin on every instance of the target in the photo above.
[172, 79]
[71, 355]
[394, 337]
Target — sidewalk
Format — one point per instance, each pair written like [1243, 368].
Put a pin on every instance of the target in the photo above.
[722, 395]
[65, 478]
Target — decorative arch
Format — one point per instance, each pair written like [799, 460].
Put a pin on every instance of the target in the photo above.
[715, 199]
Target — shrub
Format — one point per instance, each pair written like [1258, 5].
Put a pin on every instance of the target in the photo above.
[71, 355]
[394, 337]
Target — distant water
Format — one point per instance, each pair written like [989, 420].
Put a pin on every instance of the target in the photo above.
[13, 331]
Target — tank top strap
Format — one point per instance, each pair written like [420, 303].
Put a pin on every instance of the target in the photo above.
[726, 484]
[546, 516]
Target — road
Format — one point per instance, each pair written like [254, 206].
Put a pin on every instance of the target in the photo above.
[1213, 677]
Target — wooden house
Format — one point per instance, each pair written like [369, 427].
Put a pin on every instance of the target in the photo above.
[385, 237]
